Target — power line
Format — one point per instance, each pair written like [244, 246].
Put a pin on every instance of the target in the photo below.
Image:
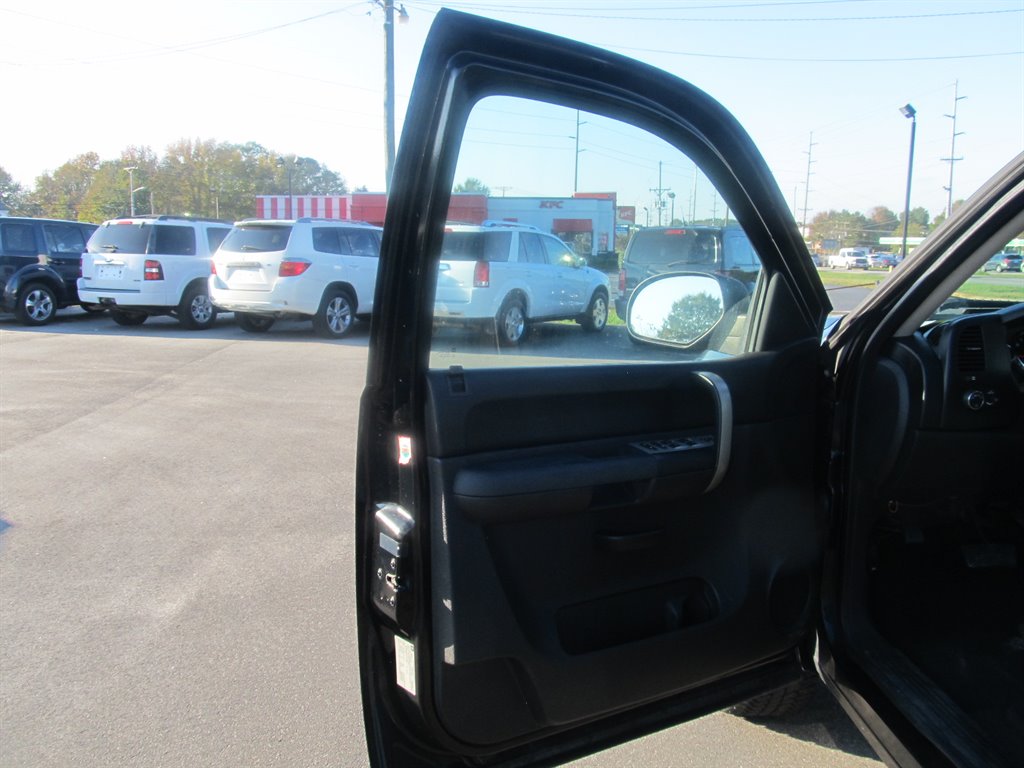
[629, 14]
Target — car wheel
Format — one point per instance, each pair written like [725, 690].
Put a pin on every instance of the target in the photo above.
[596, 316]
[196, 312]
[253, 323]
[336, 315]
[999, 268]
[93, 309]
[781, 702]
[510, 324]
[123, 317]
[36, 305]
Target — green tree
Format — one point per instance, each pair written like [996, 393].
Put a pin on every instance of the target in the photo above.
[691, 317]
[59, 195]
[12, 195]
[941, 218]
[847, 228]
[918, 226]
[473, 185]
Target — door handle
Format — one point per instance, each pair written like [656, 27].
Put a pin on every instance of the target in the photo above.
[723, 439]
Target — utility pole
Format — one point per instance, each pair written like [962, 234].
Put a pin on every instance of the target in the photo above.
[693, 196]
[952, 159]
[659, 191]
[807, 184]
[389, 91]
[131, 188]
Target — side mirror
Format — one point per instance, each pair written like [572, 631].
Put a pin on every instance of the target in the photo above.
[676, 310]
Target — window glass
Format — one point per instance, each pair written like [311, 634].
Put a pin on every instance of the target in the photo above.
[215, 236]
[362, 242]
[64, 239]
[120, 238]
[18, 238]
[467, 243]
[557, 251]
[174, 241]
[623, 197]
[531, 248]
[325, 240]
[257, 239]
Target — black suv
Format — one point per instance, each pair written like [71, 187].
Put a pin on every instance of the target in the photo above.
[40, 261]
[653, 250]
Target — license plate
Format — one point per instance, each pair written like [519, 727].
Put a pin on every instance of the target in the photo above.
[109, 272]
[245, 275]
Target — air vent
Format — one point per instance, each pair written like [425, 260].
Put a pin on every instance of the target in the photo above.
[970, 350]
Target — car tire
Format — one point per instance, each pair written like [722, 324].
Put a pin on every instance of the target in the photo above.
[510, 324]
[336, 315]
[196, 312]
[252, 323]
[782, 702]
[93, 309]
[999, 268]
[126, 318]
[595, 318]
[36, 305]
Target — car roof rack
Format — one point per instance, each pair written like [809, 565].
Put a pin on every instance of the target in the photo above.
[173, 217]
[511, 224]
[305, 220]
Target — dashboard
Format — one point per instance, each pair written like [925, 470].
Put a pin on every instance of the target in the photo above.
[981, 353]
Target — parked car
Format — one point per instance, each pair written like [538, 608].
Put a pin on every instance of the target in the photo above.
[1003, 262]
[322, 270]
[655, 250]
[848, 258]
[881, 261]
[552, 558]
[504, 277]
[40, 261]
[152, 265]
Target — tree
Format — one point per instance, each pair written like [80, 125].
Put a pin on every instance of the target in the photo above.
[844, 228]
[941, 218]
[918, 226]
[473, 185]
[12, 196]
[691, 317]
[59, 195]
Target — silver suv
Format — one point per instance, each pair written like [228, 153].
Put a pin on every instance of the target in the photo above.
[504, 276]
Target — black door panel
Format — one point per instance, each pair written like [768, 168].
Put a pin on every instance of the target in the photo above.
[607, 576]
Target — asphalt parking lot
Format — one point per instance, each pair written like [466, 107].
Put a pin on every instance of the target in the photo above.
[176, 559]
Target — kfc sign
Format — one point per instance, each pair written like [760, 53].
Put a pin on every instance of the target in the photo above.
[551, 203]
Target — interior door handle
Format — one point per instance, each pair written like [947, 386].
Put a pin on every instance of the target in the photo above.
[723, 439]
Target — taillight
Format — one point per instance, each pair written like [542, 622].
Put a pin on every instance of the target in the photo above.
[622, 281]
[153, 270]
[293, 267]
[482, 275]
[213, 267]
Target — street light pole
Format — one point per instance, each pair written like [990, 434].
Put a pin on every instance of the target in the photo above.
[909, 112]
[131, 188]
[389, 92]
[672, 215]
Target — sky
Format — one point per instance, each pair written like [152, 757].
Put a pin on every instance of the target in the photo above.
[818, 80]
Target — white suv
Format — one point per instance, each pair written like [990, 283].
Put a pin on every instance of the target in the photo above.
[319, 269]
[152, 265]
[504, 276]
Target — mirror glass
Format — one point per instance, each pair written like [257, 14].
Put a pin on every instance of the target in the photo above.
[676, 309]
